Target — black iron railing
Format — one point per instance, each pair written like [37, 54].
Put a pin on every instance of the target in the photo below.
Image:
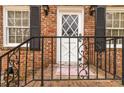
[63, 58]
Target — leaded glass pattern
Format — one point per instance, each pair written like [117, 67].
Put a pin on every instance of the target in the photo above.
[69, 25]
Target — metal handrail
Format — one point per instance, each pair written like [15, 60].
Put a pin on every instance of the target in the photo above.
[88, 46]
[60, 37]
[16, 47]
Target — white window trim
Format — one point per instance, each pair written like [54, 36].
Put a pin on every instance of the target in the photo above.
[115, 9]
[9, 8]
[112, 45]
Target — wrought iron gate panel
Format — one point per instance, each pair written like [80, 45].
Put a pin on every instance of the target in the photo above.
[93, 63]
[83, 59]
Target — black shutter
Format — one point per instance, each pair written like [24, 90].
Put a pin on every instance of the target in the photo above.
[35, 27]
[100, 19]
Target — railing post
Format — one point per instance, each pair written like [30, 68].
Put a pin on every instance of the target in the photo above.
[60, 58]
[8, 59]
[105, 62]
[88, 58]
[69, 58]
[122, 61]
[19, 54]
[114, 68]
[26, 63]
[51, 58]
[33, 61]
[42, 59]
[109, 56]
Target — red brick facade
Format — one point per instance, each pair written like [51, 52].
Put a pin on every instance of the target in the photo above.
[1, 29]
[49, 28]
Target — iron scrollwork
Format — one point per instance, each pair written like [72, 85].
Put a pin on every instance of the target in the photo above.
[83, 58]
[11, 73]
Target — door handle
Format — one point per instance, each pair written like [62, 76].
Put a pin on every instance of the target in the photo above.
[80, 39]
[80, 34]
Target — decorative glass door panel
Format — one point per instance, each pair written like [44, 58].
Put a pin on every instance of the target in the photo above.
[70, 25]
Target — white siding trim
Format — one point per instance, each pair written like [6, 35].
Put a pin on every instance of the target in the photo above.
[115, 9]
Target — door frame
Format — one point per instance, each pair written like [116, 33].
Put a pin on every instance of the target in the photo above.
[71, 10]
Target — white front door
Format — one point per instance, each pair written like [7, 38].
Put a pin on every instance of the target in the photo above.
[70, 25]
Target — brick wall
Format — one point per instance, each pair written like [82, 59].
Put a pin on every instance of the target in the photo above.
[110, 60]
[1, 29]
[89, 23]
[49, 28]
[90, 31]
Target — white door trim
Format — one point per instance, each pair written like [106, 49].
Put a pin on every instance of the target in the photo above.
[71, 9]
[68, 9]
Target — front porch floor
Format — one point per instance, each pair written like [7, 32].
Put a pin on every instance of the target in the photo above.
[73, 83]
[78, 83]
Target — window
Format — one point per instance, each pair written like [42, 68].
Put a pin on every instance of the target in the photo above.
[17, 24]
[115, 23]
